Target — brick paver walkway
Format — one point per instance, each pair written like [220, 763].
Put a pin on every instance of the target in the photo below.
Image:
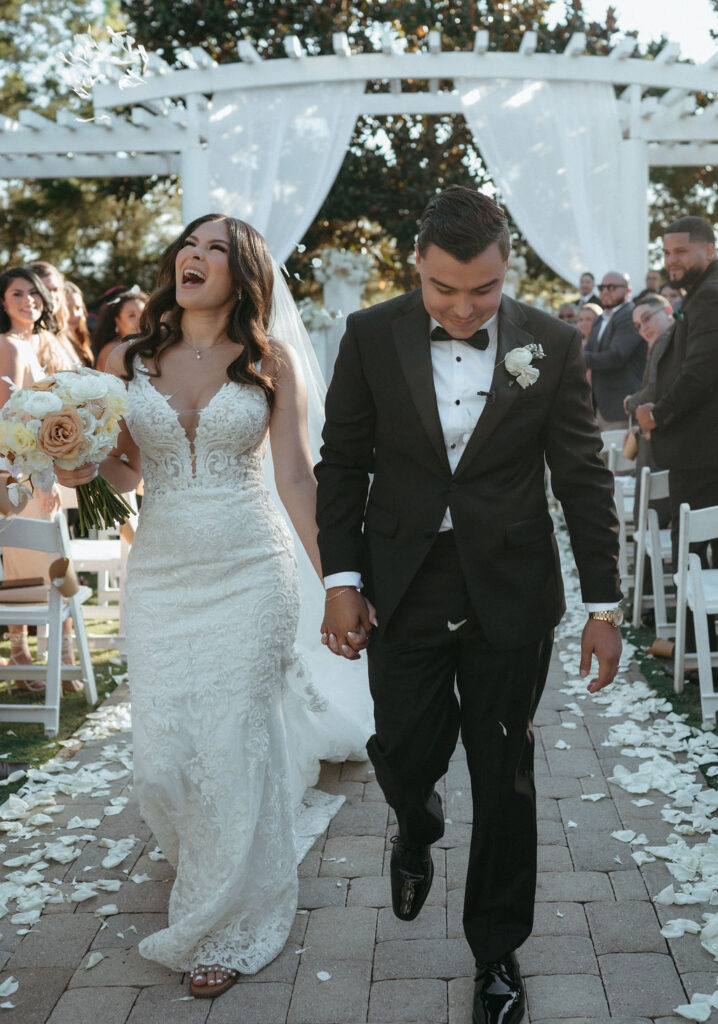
[596, 953]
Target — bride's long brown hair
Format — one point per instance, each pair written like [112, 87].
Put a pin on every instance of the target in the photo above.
[253, 277]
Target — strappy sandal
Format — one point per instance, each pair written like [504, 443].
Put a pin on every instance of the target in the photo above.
[68, 651]
[19, 648]
[211, 989]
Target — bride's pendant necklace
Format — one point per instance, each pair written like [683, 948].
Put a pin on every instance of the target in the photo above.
[199, 352]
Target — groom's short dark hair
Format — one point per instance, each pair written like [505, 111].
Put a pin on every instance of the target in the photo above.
[463, 222]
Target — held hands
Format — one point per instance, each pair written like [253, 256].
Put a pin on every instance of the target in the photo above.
[348, 621]
[603, 640]
[76, 477]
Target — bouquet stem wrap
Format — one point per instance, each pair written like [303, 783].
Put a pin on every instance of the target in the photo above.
[99, 505]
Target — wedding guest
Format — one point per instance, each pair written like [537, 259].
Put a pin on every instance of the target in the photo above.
[25, 311]
[445, 405]
[117, 319]
[77, 323]
[55, 348]
[567, 312]
[584, 320]
[654, 280]
[587, 290]
[92, 315]
[615, 352]
[227, 723]
[673, 294]
[682, 419]
[653, 319]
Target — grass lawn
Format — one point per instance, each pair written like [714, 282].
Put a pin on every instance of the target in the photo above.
[26, 743]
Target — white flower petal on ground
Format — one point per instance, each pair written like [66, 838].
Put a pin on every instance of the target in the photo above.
[9, 987]
[593, 796]
[108, 910]
[93, 960]
[624, 835]
[562, 745]
[323, 975]
[709, 934]
[680, 926]
[139, 879]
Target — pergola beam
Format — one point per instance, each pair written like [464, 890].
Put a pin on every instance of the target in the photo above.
[89, 166]
[447, 65]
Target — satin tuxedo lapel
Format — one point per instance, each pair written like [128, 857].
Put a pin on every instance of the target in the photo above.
[411, 337]
[511, 335]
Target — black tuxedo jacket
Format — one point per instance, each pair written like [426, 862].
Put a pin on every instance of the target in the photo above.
[686, 409]
[383, 425]
[616, 362]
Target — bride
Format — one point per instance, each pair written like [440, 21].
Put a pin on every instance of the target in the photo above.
[227, 724]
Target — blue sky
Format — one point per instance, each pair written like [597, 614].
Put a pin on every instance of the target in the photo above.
[688, 23]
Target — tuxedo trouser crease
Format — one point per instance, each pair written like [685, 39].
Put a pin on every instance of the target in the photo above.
[416, 667]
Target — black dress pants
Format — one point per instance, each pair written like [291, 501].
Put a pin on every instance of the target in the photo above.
[432, 647]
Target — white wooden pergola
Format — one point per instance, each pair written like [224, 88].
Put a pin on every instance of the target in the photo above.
[163, 136]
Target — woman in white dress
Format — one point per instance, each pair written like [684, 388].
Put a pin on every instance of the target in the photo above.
[227, 724]
[25, 315]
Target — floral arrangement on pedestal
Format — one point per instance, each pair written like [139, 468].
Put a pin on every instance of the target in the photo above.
[314, 315]
[353, 267]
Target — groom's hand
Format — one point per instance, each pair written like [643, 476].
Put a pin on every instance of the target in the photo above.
[348, 621]
[603, 640]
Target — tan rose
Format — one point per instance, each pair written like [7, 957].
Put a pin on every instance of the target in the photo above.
[47, 384]
[61, 434]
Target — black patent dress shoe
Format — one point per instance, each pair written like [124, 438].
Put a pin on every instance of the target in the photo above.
[412, 872]
[499, 993]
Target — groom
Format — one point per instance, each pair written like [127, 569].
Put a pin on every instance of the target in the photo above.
[443, 407]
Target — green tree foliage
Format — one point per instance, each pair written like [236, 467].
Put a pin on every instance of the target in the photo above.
[99, 232]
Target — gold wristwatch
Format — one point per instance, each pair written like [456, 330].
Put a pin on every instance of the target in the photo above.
[612, 615]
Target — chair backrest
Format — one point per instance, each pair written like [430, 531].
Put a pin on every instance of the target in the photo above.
[656, 483]
[36, 534]
[695, 526]
[612, 438]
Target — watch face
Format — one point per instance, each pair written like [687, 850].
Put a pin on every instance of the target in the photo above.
[617, 616]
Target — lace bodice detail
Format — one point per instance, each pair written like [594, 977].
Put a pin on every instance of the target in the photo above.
[227, 448]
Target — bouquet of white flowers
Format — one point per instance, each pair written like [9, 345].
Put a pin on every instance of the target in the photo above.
[66, 420]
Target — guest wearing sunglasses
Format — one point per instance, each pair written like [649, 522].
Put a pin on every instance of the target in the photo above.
[615, 352]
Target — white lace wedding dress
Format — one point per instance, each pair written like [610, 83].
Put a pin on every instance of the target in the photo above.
[227, 725]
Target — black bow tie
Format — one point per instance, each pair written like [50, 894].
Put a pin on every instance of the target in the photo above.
[479, 339]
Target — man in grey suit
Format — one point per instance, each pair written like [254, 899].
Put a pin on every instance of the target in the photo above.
[615, 352]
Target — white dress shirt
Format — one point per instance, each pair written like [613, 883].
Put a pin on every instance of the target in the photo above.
[462, 382]
[606, 318]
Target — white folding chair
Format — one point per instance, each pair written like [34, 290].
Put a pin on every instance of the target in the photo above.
[106, 555]
[655, 544]
[43, 606]
[697, 589]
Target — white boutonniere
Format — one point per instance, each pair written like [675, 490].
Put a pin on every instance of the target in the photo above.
[518, 363]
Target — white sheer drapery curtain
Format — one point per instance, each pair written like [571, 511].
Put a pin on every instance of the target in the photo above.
[552, 150]
[276, 151]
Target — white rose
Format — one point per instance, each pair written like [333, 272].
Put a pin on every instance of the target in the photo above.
[517, 360]
[529, 375]
[37, 403]
[87, 388]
